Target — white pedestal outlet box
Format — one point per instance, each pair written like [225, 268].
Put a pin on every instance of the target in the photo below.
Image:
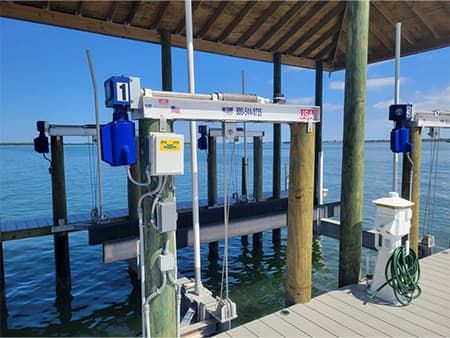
[166, 154]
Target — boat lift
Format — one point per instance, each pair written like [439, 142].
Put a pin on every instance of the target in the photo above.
[124, 94]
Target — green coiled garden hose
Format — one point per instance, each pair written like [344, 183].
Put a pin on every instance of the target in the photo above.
[403, 277]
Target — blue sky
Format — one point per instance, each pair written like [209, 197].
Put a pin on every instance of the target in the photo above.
[45, 76]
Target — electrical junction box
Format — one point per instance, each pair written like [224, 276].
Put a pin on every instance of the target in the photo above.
[166, 262]
[166, 216]
[166, 154]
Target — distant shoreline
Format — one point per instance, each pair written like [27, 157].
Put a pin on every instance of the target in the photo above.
[187, 143]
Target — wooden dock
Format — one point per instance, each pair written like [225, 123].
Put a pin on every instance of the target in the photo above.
[348, 312]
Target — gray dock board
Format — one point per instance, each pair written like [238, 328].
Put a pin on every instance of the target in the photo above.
[325, 322]
[307, 326]
[381, 313]
[363, 317]
[349, 312]
[286, 329]
[260, 329]
[344, 318]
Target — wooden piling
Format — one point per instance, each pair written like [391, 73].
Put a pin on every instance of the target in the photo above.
[212, 171]
[416, 156]
[276, 233]
[166, 60]
[163, 307]
[213, 247]
[134, 191]
[352, 190]
[300, 215]
[258, 180]
[60, 240]
[318, 141]
[276, 178]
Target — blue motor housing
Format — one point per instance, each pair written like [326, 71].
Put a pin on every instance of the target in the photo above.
[400, 140]
[118, 143]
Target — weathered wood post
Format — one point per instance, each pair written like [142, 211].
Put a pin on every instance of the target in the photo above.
[318, 144]
[352, 190]
[258, 183]
[163, 308]
[300, 215]
[134, 191]
[60, 240]
[276, 184]
[212, 188]
[416, 156]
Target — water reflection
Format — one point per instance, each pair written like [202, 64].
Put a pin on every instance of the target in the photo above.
[256, 285]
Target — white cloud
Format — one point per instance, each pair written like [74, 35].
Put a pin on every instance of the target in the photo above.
[383, 105]
[374, 83]
[433, 100]
[301, 100]
[333, 107]
[373, 65]
[437, 99]
[337, 85]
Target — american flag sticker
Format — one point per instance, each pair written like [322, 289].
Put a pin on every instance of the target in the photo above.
[163, 101]
[175, 109]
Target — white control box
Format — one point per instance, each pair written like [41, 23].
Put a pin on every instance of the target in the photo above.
[166, 154]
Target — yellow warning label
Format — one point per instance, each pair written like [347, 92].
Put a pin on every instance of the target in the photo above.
[169, 145]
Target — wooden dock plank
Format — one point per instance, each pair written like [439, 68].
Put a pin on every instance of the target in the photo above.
[349, 312]
[286, 329]
[363, 317]
[260, 329]
[410, 316]
[325, 322]
[303, 324]
[242, 331]
[356, 296]
[344, 318]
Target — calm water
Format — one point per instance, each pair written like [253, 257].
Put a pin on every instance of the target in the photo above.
[104, 301]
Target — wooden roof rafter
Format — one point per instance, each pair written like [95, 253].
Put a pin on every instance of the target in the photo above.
[164, 6]
[79, 10]
[375, 5]
[337, 10]
[133, 10]
[315, 7]
[423, 19]
[182, 25]
[266, 14]
[250, 29]
[112, 12]
[213, 18]
[282, 22]
[339, 37]
[325, 36]
[232, 25]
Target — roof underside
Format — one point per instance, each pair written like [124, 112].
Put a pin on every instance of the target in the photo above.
[302, 32]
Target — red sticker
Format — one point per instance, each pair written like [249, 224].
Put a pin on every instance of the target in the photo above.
[163, 101]
[306, 114]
